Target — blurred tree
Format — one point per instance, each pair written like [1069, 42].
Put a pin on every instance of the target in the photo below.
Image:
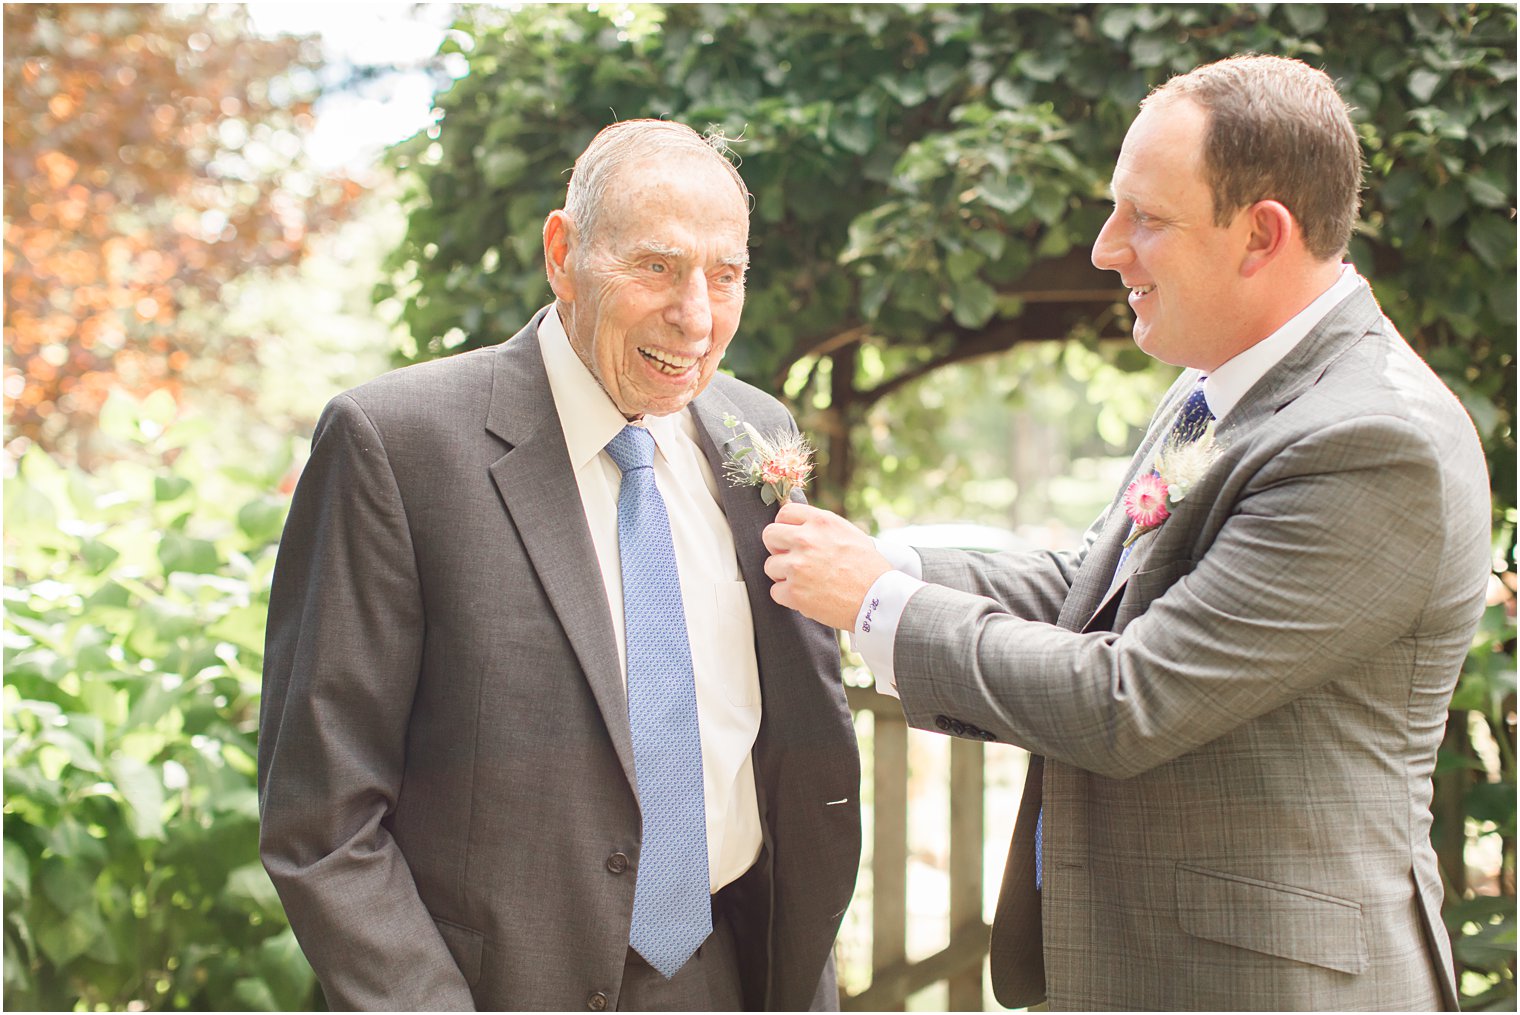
[151, 156]
[928, 179]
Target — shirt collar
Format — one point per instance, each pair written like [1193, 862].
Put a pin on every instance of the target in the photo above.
[1227, 385]
[587, 414]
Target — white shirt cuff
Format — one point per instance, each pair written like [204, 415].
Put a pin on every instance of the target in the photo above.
[903, 558]
[875, 631]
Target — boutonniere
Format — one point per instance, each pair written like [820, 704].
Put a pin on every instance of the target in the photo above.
[1179, 466]
[778, 464]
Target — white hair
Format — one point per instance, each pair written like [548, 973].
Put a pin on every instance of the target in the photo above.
[634, 141]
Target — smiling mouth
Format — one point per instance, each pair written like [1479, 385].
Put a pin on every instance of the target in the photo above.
[1141, 290]
[668, 363]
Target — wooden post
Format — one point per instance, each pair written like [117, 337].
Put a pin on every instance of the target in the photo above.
[889, 850]
[967, 831]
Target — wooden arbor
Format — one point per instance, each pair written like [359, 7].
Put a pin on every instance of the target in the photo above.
[1060, 296]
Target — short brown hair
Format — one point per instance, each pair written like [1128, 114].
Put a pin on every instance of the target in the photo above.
[1277, 130]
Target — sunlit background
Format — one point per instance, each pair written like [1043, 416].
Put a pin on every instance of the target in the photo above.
[216, 218]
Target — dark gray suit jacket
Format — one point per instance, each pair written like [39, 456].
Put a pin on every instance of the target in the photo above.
[1239, 728]
[445, 763]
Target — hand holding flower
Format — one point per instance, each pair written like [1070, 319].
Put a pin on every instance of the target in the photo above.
[822, 565]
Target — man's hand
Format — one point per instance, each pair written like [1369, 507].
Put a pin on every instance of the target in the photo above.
[822, 565]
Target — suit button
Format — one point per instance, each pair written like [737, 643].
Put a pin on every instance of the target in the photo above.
[617, 863]
[597, 1001]
[989, 737]
[957, 727]
[943, 722]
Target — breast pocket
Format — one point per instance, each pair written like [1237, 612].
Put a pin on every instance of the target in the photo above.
[1144, 587]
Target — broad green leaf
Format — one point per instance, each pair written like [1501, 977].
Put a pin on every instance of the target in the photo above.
[141, 787]
[286, 970]
[18, 871]
[167, 488]
[178, 552]
[65, 936]
[262, 519]
[253, 994]
[251, 883]
[1423, 84]
[974, 302]
[1492, 238]
[1007, 194]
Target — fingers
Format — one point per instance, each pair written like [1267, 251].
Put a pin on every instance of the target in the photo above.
[793, 513]
[781, 594]
[778, 537]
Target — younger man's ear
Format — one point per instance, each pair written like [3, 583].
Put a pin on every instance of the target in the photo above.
[1271, 229]
[559, 234]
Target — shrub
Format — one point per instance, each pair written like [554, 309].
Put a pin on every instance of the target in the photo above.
[134, 623]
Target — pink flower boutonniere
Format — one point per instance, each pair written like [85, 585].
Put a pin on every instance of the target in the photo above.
[777, 464]
[1179, 467]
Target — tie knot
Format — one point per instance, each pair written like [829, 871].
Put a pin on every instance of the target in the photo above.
[632, 448]
[1195, 415]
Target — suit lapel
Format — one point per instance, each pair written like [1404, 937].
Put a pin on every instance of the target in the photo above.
[539, 490]
[747, 515]
[1298, 371]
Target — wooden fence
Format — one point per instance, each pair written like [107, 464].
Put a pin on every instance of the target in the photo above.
[893, 977]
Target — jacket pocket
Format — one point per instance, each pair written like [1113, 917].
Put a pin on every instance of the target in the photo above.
[1144, 587]
[465, 945]
[1275, 919]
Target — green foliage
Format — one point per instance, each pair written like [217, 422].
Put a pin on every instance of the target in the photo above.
[134, 622]
[914, 166]
[1481, 768]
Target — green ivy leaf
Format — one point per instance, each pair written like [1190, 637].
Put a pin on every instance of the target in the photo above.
[974, 302]
[1492, 238]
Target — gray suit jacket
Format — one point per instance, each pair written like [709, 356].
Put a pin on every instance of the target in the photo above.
[445, 762]
[1238, 730]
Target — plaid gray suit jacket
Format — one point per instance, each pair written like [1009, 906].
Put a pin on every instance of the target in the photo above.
[445, 763]
[1238, 731]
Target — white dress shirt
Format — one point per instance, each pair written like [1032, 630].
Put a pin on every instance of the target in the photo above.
[719, 627]
[876, 625]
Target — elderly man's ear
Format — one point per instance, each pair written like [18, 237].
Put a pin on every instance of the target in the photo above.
[558, 236]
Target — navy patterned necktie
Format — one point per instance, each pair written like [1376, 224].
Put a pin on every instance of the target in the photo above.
[672, 908]
[1191, 422]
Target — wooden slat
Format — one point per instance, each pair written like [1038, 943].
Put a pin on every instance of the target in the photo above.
[889, 850]
[967, 949]
[967, 831]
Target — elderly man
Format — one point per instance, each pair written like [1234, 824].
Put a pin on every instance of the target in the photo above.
[1235, 688]
[533, 734]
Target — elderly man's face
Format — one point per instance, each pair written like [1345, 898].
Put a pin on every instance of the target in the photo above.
[1183, 270]
[655, 298]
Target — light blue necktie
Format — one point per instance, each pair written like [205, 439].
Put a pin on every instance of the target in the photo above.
[672, 909]
[1191, 422]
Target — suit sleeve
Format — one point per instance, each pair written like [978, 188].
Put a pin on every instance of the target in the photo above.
[342, 655]
[1030, 584]
[1326, 556]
